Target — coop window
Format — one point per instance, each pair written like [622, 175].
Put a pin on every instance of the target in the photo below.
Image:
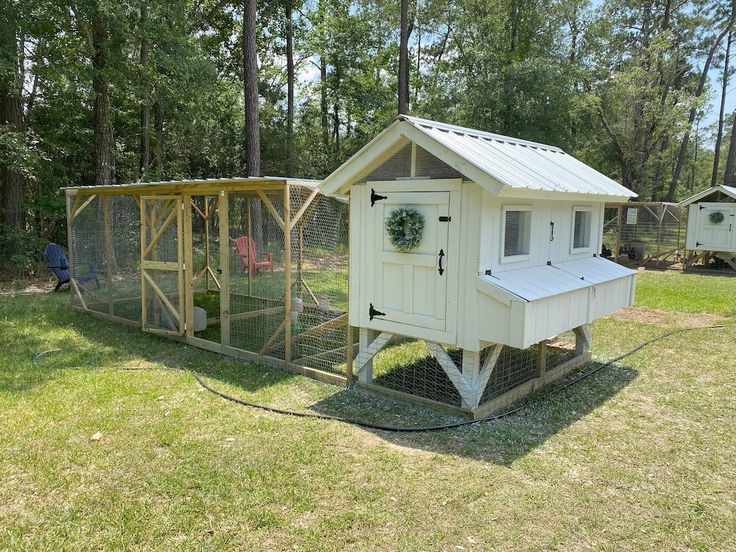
[582, 217]
[517, 227]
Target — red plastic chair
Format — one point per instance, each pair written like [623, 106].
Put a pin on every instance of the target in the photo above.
[246, 249]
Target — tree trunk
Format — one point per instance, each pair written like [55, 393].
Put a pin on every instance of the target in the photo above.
[145, 148]
[289, 89]
[336, 108]
[158, 158]
[691, 118]
[404, 59]
[731, 159]
[102, 124]
[12, 182]
[250, 94]
[323, 107]
[719, 133]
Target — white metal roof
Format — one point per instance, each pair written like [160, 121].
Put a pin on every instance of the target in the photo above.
[507, 163]
[594, 270]
[540, 282]
[730, 191]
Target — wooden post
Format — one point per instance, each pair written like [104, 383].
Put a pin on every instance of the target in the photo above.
[542, 358]
[189, 265]
[300, 261]
[471, 371]
[223, 213]
[144, 298]
[618, 232]
[206, 243]
[660, 216]
[582, 339]
[366, 337]
[70, 200]
[250, 237]
[287, 272]
[107, 231]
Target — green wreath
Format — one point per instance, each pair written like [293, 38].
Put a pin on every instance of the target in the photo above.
[716, 217]
[405, 227]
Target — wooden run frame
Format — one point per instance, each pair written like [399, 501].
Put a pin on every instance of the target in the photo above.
[171, 205]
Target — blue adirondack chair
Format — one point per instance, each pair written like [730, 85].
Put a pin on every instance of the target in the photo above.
[59, 264]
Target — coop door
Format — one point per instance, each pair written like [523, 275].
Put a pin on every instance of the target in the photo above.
[162, 269]
[716, 226]
[410, 287]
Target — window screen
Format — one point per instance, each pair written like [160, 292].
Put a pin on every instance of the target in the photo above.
[581, 231]
[517, 233]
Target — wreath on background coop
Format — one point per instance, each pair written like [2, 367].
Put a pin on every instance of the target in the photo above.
[716, 217]
[405, 227]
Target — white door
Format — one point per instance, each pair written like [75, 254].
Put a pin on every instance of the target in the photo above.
[716, 226]
[411, 287]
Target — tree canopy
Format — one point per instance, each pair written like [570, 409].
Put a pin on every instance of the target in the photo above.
[96, 91]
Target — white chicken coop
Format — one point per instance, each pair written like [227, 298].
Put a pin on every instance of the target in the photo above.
[478, 249]
[710, 225]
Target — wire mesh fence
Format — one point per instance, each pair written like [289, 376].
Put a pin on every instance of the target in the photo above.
[645, 232]
[407, 365]
[106, 256]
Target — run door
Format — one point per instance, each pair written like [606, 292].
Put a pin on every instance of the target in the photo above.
[162, 269]
[411, 288]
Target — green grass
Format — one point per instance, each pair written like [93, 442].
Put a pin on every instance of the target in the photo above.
[693, 293]
[640, 456]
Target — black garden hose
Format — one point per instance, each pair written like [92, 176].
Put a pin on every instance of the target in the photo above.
[396, 429]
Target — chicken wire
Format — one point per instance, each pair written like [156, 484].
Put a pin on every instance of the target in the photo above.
[408, 366]
[107, 287]
[647, 232]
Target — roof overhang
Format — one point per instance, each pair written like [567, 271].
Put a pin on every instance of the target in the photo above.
[728, 191]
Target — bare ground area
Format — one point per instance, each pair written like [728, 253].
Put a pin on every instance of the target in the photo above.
[666, 318]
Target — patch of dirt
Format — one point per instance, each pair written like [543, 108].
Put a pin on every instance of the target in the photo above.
[659, 317]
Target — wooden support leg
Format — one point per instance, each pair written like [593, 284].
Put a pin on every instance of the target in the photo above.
[471, 371]
[542, 360]
[370, 342]
[582, 339]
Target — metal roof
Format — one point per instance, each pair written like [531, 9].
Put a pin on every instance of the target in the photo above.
[541, 282]
[520, 164]
[730, 191]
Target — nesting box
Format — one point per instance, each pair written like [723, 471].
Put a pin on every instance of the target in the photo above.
[507, 254]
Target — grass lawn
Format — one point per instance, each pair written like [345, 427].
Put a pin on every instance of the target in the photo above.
[640, 456]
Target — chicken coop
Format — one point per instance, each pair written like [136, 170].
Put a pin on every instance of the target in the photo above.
[474, 269]
[711, 227]
[255, 268]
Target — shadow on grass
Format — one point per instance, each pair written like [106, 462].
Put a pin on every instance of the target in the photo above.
[544, 413]
[94, 344]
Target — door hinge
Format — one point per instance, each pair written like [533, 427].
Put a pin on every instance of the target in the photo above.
[698, 244]
[183, 266]
[701, 207]
[185, 326]
[372, 313]
[375, 197]
[445, 219]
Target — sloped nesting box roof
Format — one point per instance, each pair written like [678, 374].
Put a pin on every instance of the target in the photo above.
[716, 193]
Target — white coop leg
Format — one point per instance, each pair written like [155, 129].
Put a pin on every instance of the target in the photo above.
[471, 371]
[463, 385]
[369, 343]
[583, 340]
[485, 373]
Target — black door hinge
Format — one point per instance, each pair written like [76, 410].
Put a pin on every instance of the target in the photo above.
[372, 313]
[698, 244]
[701, 207]
[375, 197]
[445, 219]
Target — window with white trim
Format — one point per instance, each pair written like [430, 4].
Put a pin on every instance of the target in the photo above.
[517, 231]
[581, 228]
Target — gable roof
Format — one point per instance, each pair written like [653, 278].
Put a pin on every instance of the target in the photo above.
[499, 164]
[730, 191]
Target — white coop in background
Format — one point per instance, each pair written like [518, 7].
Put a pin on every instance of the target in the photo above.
[711, 226]
[507, 260]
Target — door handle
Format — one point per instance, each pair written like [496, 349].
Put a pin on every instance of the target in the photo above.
[440, 268]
